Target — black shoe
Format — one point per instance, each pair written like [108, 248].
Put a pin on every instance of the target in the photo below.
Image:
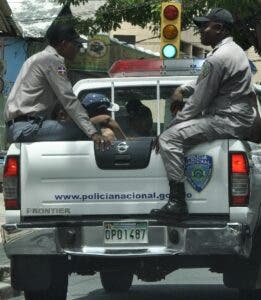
[171, 209]
[176, 206]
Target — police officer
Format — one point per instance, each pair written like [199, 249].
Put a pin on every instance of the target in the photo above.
[219, 105]
[40, 85]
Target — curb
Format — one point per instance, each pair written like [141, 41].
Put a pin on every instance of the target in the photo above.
[6, 291]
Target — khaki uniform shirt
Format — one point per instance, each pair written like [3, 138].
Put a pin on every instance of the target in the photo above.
[223, 87]
[40, 85]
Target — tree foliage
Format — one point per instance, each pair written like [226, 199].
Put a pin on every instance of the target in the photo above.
[247, 15]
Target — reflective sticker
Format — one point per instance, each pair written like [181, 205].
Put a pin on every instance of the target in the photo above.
[61, 70]
[198, 170]
[204, 71]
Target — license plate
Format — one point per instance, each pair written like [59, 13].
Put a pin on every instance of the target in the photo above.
[125, 232]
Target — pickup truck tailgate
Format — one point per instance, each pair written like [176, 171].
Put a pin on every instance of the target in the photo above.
[62, 178]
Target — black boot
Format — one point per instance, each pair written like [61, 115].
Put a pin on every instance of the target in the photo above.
[176, 206]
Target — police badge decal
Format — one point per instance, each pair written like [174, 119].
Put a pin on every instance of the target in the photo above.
[198, 170]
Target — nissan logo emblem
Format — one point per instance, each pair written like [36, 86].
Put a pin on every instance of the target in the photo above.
[122, 147]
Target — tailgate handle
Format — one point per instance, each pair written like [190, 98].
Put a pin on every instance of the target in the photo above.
[122, 160]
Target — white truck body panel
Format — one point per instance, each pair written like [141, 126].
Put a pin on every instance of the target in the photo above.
[65, 175]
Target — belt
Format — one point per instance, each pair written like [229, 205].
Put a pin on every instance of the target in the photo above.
[20, 119]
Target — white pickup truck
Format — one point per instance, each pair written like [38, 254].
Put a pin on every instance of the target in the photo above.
[72, 208]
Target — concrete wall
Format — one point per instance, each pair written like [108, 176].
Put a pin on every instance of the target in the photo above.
[190, 44]
[144, 37]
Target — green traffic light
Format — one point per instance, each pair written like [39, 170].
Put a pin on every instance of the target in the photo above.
[169, 51]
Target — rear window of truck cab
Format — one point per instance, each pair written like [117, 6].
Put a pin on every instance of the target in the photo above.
[143, 111]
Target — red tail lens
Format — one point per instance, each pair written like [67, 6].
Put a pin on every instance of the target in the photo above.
[239, 200]
[11, 167]
[239, 179]
[11, 183]
[11, 204]
[171, 12]
[239, 163]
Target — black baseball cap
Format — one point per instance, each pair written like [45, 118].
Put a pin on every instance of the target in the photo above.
[58, 32]
[216, 15]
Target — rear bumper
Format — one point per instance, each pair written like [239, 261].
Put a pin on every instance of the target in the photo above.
[226, 239]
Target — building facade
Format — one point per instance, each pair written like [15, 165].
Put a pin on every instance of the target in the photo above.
[190, 44]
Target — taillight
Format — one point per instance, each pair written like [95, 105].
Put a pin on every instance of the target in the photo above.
[11, 183]
[239, 179]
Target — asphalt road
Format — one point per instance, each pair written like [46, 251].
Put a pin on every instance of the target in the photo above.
[190, 284]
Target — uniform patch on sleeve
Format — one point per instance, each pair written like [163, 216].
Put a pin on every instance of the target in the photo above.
[61, 70]
[204, 71]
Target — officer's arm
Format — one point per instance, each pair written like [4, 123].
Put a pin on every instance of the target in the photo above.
[57, 78]
[188, 89]
[176, 99]
[206, 89]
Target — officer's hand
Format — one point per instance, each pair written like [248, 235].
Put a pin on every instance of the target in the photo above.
[156, 145]
[176, 106]
[176, 101]
[101, 142]
[177, 94]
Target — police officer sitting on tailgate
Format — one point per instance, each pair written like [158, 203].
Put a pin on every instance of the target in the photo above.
[219, 105]
[40, 85]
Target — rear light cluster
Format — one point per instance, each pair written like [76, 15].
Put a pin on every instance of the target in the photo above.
[239, 179]
[11, 183]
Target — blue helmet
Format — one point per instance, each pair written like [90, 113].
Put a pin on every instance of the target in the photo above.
[98, 99]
